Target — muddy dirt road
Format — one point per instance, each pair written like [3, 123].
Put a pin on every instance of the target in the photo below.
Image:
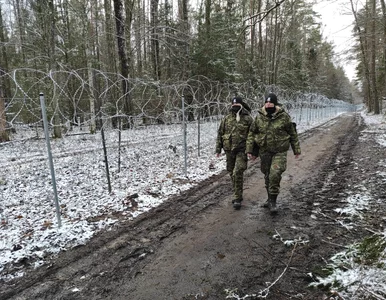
[196, 246]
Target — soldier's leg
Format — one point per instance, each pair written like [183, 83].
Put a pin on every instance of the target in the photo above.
[230, 166]
[240, 167]
[278, 166]
[265, 166]
[230, 163]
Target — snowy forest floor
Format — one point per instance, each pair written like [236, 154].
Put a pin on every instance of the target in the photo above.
[196, 246]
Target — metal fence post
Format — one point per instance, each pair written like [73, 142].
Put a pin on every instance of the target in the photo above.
[45, 123]
[185, 133]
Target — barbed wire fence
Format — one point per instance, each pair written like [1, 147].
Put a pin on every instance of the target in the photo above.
[170, 124]
[180, 118]
[196, 104]
[69, 96]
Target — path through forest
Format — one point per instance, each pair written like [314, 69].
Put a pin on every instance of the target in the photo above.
[196, 246]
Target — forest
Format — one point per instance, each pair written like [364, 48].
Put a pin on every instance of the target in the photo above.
[132, 61]
[151, 66]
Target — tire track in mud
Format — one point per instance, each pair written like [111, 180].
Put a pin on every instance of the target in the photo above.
[341, 175]
[334, 169]
[326, 185]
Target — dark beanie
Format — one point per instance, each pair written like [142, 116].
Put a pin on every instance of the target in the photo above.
[271, 98]
[237, 100]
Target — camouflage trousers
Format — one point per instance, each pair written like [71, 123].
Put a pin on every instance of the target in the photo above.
[273, 165]
[236, 165]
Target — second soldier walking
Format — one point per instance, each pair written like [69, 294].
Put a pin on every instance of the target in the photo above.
[274, 133]
[231, 136]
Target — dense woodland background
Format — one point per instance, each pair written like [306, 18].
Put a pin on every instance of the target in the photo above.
[126, 59]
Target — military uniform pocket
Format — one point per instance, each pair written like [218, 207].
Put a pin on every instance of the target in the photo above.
[226, 142]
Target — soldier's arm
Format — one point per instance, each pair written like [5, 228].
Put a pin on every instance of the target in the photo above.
[251, 137]
[294, 139]
[220, 133]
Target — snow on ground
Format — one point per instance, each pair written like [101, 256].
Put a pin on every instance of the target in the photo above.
[351, 271]
[152, 168]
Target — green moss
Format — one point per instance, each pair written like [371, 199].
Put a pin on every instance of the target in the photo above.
[371, 251]
[322, 271]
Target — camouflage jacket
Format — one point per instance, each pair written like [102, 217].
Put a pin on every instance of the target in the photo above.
[232, 135]
[274, 134]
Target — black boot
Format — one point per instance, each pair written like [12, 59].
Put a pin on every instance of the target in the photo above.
[272, 204]
[237, 203]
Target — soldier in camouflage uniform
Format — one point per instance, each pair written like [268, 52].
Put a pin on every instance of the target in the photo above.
[232, 135]
[273, 132]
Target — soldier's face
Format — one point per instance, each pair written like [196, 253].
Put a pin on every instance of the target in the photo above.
[269, 104]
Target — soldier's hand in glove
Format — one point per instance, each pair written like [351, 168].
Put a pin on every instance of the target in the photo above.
[250, 156]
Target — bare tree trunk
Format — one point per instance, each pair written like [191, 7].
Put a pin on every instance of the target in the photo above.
[365, 60]
[5, 86]
[384, 47]
[278, 51]
[373, 58]
[64, 13]
[208, 10]
[267, 47]
[111, 61]
[144, 33]
[168, 73]
[253, 31]
[271, 48]
[110, 43]
[3, 122]
[276, 31]
[121, 41]
[260, 47]
[183, 16]
[4, 68]
[155, 40]
[89, 56]
[129, 6]
[53, 67]
[138, 24]
[20, 23]
[98, 100]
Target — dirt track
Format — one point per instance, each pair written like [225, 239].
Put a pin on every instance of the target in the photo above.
[195, 246]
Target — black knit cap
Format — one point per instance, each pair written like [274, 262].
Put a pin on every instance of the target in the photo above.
[237, 100]
[271, 98]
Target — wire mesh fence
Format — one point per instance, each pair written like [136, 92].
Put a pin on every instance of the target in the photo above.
[166, 147]
[178, 121]
[72, 103]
